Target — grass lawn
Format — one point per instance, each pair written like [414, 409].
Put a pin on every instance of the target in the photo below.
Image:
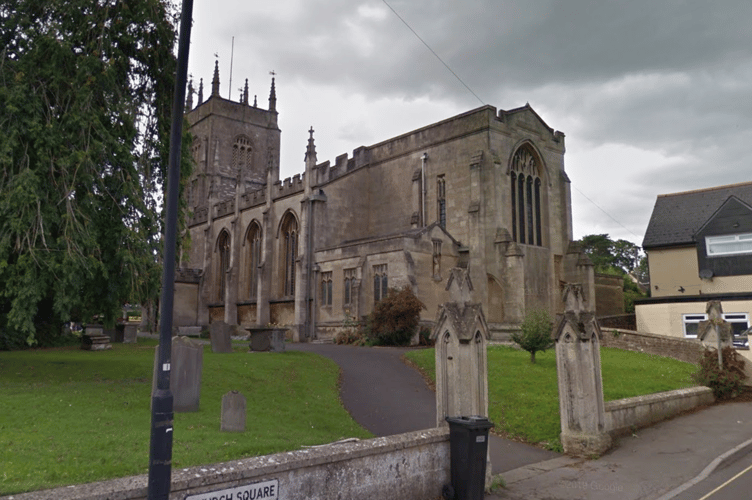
[72, 416]
[524, 399]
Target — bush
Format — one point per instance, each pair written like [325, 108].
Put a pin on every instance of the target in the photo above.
[350, 337]
[395, 318]
[424, 337]
[535, 332]
[727, 382]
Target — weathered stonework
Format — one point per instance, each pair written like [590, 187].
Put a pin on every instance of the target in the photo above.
[485, 190]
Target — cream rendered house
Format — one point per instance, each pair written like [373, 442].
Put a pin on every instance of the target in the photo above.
[699, 248]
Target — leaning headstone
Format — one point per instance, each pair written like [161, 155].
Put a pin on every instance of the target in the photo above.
[94, 339]
[219, 331]
[233, 412]
[185, 373]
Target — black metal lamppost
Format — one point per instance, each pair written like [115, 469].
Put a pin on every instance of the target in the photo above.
[160, 451]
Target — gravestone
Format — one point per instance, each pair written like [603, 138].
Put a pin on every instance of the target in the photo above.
[233, 412]
[94, 339]
[185, 373]
[219, 333]
[130, 333]
[267, 339]
[578, 368]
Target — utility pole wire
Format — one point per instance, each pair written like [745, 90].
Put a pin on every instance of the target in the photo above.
[434, 53]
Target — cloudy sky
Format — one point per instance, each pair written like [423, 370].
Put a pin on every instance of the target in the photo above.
[654, 96]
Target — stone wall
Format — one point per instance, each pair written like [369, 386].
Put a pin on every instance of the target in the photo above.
[411, 465]
[623, 321]
[624, 415]
[688, 350]
[609, 294]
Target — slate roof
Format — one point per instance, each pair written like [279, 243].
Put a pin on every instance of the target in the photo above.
[677, 217]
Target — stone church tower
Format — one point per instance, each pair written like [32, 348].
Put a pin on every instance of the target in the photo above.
[485, 190]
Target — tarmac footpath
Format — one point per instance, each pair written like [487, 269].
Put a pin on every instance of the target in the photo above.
[388, 397]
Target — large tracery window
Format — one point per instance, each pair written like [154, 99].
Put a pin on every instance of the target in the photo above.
[290, 253]
[223, 247]
[526, 198]
[254, 258]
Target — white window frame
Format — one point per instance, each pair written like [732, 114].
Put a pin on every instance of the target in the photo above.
[692, 319]
[697, 317]
[714, 245]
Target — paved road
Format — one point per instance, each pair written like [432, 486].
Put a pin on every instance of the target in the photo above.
[732, 482]
[387, 397]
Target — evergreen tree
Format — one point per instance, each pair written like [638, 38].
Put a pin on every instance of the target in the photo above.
[85, 100]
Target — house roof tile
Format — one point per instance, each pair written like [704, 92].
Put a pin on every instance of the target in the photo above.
[677, 217]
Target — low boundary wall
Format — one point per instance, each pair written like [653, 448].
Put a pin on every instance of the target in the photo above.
[624, 415]
[410, 465]
[688, 350]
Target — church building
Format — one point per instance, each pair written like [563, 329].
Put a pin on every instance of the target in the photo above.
[485, 190]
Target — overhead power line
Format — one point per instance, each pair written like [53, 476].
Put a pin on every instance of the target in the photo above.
[433, 52]
[602, 210]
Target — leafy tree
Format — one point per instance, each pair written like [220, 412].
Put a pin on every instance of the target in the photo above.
[620, 258]
[85, 100]
[535, 332]
[610, 256]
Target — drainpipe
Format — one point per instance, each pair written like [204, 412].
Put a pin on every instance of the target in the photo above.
[309, 271]
[423, 182]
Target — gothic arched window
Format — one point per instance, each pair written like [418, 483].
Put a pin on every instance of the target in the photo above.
[223, 248]
[289, 236]
[525, 181]
[254, 258]
[441, 201]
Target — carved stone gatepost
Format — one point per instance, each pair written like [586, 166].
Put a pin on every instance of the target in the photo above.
[461, 336]
[715, 332]
[578, 366]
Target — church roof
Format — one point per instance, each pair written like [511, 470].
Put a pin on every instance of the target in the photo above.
[678, 216]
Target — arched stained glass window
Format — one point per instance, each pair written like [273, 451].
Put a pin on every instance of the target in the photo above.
[527, 214]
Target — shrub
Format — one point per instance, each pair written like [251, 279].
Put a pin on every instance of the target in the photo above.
[424, 337]
[395, 318]
[351, 333]
[350, 337]
[726, 382]
[535, 332]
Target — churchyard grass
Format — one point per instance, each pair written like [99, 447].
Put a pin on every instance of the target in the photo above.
[70, 416]
[523, 397]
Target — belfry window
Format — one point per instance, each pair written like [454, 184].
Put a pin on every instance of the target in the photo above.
[290, 253]
[242, 154]
[223, 247]
[254, 258]
[526, 202]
